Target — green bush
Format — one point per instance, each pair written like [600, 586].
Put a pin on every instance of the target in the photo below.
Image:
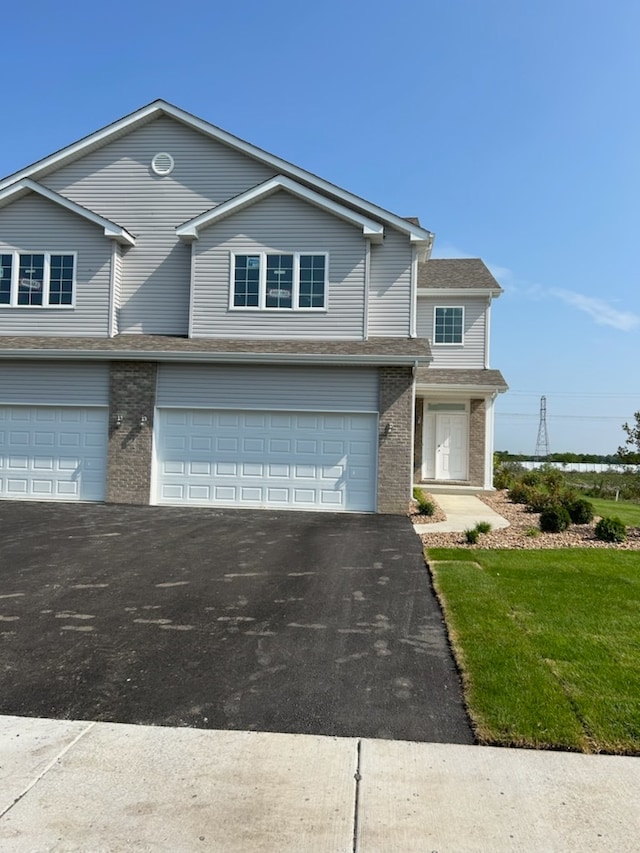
[554, 519]
[531, 478]
[580, 510]
[506, 474]
[483, 527]
[538, 499]
[519, 493]
[611, 529]
[532, 532]
[472, 535]
[425, 506]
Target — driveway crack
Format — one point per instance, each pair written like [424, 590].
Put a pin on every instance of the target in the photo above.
[356, 801]
[51, 764]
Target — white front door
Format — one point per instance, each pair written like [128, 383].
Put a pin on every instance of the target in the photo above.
[451, 446]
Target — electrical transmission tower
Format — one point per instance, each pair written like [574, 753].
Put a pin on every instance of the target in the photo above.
[542, 442]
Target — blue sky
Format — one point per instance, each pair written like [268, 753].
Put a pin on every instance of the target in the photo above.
[511, 129]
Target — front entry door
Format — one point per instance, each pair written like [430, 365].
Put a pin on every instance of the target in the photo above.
[451, 447]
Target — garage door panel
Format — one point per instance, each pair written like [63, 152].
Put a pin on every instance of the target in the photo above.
[281, 459]
[64, 461]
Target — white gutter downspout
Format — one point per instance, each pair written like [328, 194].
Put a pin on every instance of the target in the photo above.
[487, 334]
[192, 283]
[414, 292]
[414, 371]
[488, 440]
[112, 322]
[367, 284]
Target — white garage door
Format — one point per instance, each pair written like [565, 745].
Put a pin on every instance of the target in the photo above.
[53, 453]
[293, 460]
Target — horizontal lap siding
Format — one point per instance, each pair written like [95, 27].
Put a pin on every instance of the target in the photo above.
[268, 388]
[279, 223]
[117, 182]
[41, 383]
[35, 224]
[467, 355]
[390, 286]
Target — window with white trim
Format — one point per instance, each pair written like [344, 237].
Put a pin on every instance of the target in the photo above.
[42, 279]
[289, 282]
[448, 324]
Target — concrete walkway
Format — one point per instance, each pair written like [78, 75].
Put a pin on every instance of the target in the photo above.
[78, 786]
[463, 512]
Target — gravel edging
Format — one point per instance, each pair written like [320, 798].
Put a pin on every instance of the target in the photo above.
[515, 536]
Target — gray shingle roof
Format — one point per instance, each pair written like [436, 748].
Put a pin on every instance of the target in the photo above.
[375, 348]
[484, 378]
[456, 273]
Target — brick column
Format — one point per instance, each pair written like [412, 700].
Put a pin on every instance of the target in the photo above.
[476, 442]
[132, 398]
[394, 441]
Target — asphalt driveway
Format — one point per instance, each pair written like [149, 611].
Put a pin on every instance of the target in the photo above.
[230, 619]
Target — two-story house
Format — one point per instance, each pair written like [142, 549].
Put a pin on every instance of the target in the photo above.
[187, 319]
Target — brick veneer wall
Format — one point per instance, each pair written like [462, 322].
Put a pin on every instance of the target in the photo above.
[476, 442]
[394, 448]
[132, 396]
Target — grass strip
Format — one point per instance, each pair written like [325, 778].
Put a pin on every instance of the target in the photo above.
[548, 643]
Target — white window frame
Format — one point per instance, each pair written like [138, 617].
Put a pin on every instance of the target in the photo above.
[459, 343]
[262, 286]
[15, 272]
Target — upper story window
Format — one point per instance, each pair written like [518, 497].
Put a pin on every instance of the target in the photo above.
[448, 325]
[290, 282]
[41, 279]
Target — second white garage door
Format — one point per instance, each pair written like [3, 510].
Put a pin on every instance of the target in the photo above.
[293, 460]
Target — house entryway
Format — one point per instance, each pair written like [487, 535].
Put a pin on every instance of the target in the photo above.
[445, 439]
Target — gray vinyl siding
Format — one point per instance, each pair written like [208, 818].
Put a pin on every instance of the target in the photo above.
[117, 182]
[390, 286]
[268, 387]
[470, 354]
[279, 223]
[35, 224]
[41, 383]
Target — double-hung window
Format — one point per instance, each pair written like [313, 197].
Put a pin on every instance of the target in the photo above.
[448, 325]
[42, 279]
[289, 282]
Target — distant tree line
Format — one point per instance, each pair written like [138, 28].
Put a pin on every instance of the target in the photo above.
[611, 459]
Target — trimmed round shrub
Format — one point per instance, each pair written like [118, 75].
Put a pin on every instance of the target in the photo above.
[554, 519]
[580, 510]
[611, 529]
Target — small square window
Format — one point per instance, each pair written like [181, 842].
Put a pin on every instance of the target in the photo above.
[448, 325]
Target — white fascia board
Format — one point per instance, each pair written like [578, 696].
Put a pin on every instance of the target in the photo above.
[222, 357]
[161, 107]
[190, 230]
[441, 292]
[424, 388]
[111, 230]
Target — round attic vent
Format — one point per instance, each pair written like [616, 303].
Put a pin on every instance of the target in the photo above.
[162, 163]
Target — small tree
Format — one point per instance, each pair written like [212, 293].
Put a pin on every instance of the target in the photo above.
[631, 453]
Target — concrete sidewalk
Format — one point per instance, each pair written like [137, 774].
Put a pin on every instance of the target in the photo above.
[463, 512]
[77, 786]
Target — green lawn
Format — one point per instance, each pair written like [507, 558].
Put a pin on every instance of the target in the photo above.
[626, 511]
[548, 643]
